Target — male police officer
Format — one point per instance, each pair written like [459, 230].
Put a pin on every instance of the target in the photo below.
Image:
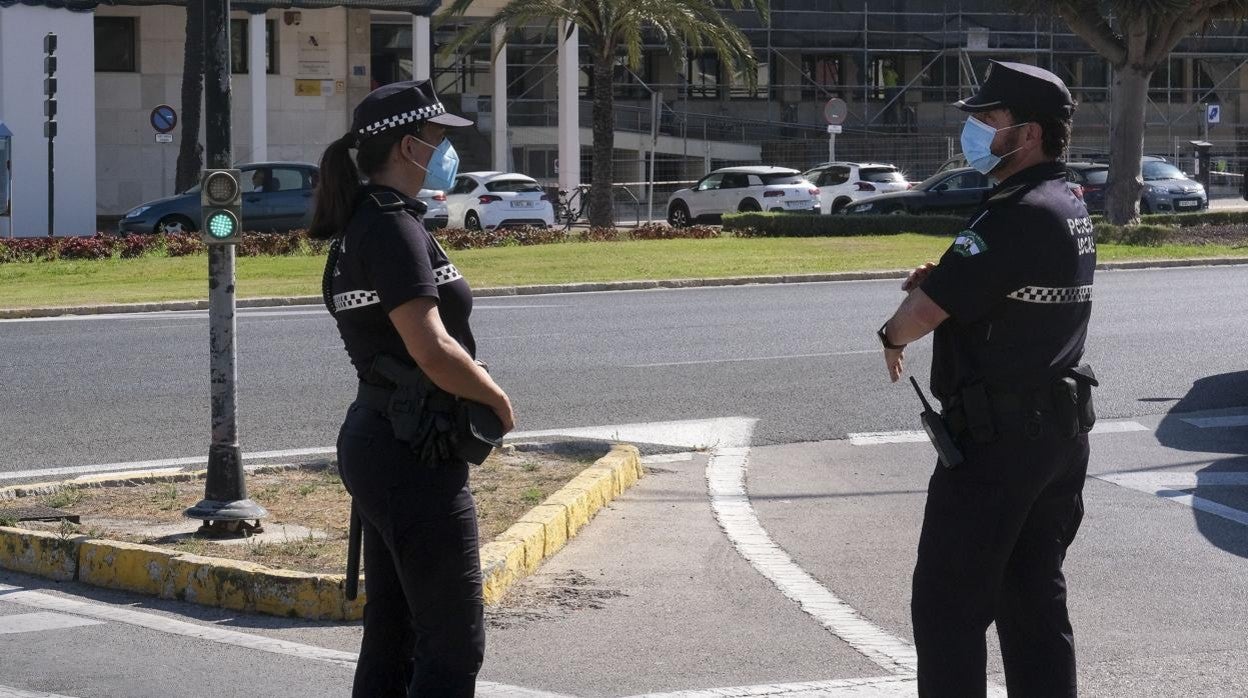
[1009, 302]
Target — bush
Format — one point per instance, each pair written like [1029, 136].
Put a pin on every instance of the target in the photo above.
[1144, 235]
[1187, 220]
[463, 239]
[658, 231]
[838, 225]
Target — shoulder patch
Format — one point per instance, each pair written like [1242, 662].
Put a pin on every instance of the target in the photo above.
[969, 243]
[387, 200]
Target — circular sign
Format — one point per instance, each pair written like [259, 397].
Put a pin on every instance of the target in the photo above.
[164, 119]
[835, 111]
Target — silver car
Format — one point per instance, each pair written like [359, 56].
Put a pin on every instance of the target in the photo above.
[1168, 190]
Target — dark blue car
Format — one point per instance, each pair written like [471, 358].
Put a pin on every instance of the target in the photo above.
[277, 196]
[958, 191]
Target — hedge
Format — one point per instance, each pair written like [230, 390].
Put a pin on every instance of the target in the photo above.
[1187, 220]
[838, 225]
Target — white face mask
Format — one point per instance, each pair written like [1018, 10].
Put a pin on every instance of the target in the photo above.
[977, 140]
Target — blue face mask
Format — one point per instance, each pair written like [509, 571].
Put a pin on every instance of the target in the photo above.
[977, 140]
[443, 166]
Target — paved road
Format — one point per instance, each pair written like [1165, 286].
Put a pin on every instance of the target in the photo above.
[801, 358]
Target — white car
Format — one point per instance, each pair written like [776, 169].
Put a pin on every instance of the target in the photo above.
[842, 183]
[435, 208]
[740, 189]
[489, 200]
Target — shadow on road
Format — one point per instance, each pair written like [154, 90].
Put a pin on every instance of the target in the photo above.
[1214, 491]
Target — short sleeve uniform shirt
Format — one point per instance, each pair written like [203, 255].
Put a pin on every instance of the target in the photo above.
[1017, 284]
[385, 264]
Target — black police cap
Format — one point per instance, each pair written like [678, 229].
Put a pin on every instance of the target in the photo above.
[399, 104]
[1023, 88]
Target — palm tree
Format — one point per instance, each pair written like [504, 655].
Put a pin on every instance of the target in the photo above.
[611, 27]
[190, 152]
[1135, 37]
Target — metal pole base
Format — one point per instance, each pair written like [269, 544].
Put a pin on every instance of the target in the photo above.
[228, 529]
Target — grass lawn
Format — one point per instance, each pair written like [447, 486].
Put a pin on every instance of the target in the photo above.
[185, 278]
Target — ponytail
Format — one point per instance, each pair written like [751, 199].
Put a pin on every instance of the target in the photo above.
[336, 190]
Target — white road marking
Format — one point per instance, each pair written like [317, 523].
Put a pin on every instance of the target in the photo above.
[667, 458]
[43, 620]
[1235, 420]
[753, 358]
[695, 434]
[10, 692]
[516, 307]
[872, 687]
[875, 438]
[212, 633]
[157, 464]
[1169, 485]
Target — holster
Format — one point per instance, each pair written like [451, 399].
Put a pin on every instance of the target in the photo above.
[1084, 380]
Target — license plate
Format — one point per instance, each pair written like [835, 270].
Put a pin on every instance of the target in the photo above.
[797, 204]
[522, 204]
[1188, 204]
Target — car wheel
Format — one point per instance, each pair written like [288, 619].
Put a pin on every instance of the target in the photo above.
[749, 206]
[678, 215]
[1145, 209]
[472, 221]
[840, 204]
[174, 225]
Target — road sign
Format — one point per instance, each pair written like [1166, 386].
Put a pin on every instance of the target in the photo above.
[835, 111]
[834, 128]
[164, 119]
[1214, 113]
[164, 138]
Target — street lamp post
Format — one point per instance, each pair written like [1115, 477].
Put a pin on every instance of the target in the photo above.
[225, 509]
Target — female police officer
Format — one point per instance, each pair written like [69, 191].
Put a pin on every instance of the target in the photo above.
[1009, 302]
[393, 292]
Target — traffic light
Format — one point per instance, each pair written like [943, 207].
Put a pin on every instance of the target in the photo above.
[221, 206]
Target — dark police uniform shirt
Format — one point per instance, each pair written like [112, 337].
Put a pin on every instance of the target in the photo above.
[1017, 284]
[385, 265]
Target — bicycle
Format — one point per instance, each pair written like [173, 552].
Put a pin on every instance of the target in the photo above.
[571, 207]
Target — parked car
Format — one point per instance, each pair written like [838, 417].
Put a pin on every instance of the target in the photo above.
[1091, 178]
[842, 183]
[1168, 190]
[489, 200]
[956, 192]
[435, 208]
[740, 189]
[277, 196]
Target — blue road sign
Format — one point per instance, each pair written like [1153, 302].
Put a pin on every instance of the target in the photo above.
[1215, 113]
[164, 119]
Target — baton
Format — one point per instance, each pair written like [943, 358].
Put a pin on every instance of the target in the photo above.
[353, 555]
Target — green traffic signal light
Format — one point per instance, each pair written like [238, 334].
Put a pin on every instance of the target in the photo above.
[222, 225]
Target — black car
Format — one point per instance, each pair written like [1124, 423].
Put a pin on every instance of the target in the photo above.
[1091, 176]
[957, 191]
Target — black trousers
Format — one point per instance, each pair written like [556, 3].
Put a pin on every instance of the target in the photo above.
[424, 631]
[995, 534]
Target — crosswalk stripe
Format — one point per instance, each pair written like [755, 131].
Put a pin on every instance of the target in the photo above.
[43, 620]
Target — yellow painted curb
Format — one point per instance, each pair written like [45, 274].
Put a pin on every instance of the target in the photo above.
[250, 587]
[548, 526]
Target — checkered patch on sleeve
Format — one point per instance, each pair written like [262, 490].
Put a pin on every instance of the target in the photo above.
[355, 299]
[446, 274]
[1042, 294]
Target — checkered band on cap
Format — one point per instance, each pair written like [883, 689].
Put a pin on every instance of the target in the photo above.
[1043, 294]
[390, 122]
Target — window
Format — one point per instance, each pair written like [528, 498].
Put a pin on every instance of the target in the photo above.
[710, 182]
[240, 43]
[465, 185]
[739, 89]
[735, 180]
[264, 180]
[704, 76]
[516, 186]
[776, 178]
[881, 175]
[832, 177]
[1093, 78]
[964, 181]
[116, 44]
[821, 76]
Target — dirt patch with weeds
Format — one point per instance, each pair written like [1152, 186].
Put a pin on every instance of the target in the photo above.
[546, 597]
[310, 501]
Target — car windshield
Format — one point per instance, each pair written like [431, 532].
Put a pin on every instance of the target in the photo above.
[1099, 175]
[1162, 170]
[881, 175]
[933, 180]
[513, 185]
[782, 178]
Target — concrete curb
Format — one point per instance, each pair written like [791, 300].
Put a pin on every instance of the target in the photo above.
[254, 588]
[589, 287]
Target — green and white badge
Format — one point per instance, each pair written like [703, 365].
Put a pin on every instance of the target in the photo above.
[969, 243]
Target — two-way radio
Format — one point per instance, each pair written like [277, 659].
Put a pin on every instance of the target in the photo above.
[937, 432]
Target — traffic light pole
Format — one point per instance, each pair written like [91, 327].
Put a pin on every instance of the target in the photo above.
[225, 508]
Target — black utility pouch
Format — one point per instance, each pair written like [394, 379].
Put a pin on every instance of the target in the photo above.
[1065, 407]
[978, 411]
[1084, 379]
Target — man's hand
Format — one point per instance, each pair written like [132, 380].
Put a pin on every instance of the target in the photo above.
[895, 359]
[917, 276]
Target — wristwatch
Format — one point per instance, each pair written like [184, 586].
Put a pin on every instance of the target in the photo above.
[882, 333]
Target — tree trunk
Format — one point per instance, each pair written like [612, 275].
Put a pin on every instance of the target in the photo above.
[601, 208]
[190, 152]
[1126, 143]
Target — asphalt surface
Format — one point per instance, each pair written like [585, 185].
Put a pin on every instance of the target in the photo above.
[801, 358]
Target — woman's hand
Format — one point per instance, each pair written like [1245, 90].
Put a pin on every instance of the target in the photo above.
[505, 413]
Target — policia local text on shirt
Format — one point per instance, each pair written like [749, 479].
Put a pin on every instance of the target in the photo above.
[1009, 303]
[394, 293]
